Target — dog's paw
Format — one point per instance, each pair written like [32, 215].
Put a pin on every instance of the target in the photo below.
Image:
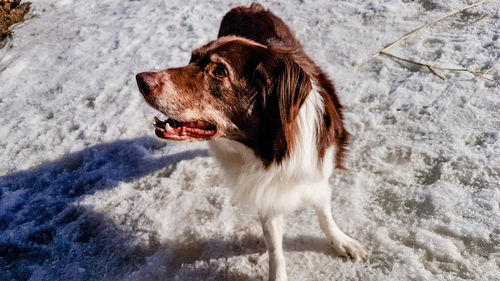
[349, 248]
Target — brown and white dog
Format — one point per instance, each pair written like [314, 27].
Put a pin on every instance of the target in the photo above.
[272, 119]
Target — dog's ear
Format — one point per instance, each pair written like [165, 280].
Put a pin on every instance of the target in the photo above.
[285, 84]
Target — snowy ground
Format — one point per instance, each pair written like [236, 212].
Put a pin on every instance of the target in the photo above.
[88, 193]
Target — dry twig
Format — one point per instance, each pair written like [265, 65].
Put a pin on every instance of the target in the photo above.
[483, 18]
[432, 68]
[414, 32]
[489, 69]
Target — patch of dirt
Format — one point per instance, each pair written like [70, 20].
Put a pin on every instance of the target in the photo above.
[426, 4]
[11, 12]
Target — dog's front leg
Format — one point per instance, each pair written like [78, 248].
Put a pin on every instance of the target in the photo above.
[272, 227]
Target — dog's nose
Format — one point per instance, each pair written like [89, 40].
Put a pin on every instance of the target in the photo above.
[147, 83]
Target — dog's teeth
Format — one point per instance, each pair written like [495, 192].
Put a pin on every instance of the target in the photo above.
[167, 127]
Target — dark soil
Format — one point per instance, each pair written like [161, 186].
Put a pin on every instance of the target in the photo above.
[11, 12]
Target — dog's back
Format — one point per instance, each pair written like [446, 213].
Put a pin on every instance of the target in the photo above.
[261, 25]
[258, 24]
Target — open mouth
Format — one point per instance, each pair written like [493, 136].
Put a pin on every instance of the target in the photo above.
[176, 130]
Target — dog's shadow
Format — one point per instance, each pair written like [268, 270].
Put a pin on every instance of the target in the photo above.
[43, 226]
[44, 231]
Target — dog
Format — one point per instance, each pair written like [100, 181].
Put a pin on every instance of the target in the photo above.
[271, 117]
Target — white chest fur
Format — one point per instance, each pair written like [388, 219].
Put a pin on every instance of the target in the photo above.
[295, 182]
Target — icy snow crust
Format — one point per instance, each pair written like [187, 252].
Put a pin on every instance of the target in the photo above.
[88, 193]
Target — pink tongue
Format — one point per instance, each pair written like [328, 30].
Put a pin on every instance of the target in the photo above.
[184, 132]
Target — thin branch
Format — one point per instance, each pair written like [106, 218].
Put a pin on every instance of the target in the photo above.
[432, 68]
[414, 32]
[434, 72]
[489, 69]
[481, 19]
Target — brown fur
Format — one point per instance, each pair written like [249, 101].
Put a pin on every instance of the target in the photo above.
[269, 77]
[259, 25]
[263, 26]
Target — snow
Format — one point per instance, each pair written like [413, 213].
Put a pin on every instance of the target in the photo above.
[88, 193]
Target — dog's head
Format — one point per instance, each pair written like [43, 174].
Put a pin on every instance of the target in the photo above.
[233, 88]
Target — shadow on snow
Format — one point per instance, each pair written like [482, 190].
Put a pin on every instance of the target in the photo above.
[46, 235]
[40, 224]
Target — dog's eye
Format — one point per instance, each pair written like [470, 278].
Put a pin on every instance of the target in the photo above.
[219, 72]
